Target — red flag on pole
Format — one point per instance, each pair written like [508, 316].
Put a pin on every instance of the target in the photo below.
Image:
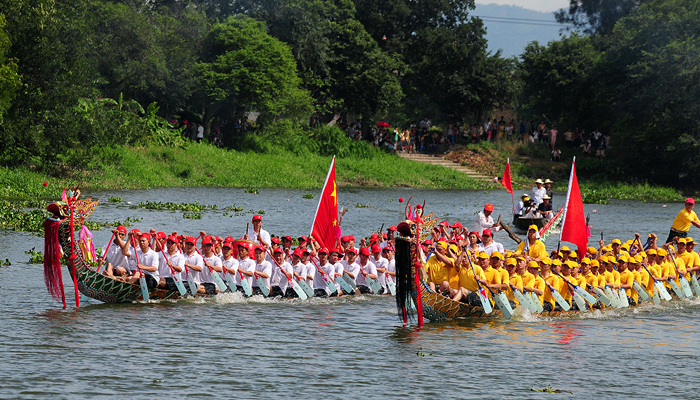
[325, 228]
[573, 229]
[506, 182]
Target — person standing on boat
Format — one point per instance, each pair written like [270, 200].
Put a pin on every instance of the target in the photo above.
[538, 192]
[532, 247]
[545, 208]
[484, 220]
[548, 188]
[488, 244]
[520, 207]
[683, 221]
[257, 234]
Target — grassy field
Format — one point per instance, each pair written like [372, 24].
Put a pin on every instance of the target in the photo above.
[206, 165]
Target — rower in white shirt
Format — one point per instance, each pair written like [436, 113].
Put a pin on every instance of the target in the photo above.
[298, 267]
[257, 234]
[320, 288]
[334, 259]
[143, 259]
[484, 220]
[380, 264]
[279, 283]
[538, 192]
[115, 254]
[310, 269]
[193, 263]
[246, 265]
[211, 263]
[388, 254]
[229, 264]
[367, 268]
[263, 269]
[350, 266]
[488, 245]
[175, 262]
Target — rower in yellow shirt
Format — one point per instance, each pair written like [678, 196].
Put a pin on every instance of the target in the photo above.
[552, 280]
[677, 266]
[683, 221]
[653, 271]
[439, 266]
[497, 264]
[690, 250]
[515, 281]
[626, 281]
[468, 285]
[532, 247]
[493, 277]
[687, 257]
[565, 271]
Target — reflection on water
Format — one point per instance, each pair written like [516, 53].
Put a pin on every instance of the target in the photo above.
[354, 346]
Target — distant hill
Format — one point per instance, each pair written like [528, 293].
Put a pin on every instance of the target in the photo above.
[511, 35]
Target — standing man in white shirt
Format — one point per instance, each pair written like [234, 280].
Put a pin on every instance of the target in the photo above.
[538, 192]
[484, 220]
[257, 234]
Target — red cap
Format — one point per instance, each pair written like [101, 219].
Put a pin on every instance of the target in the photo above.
[351, 250]
[218, 239]
[136, 232]
[121, 229]
[339, 251]
[207, 240]
[488, 207]
[278, 250]
[351, 238]
[303, 239]
[145, 235]
[258, 248]
[459, 237]
[689, 200]
[428, 242]
[229, 239]
[161, 235]
[275, 240]
[323, 250]
[374, 236]
[228, 244]
[385, 236]
[344, 239]
[444, 223]
[487, 232]
[365, 251]
[456, 225]
[190, 239]
[304, 250]
[288, 238]
[387, 248]
[257, 216]
[298, 252]
[173, 239]
[454, 242]
[376, 249]
[392, 228]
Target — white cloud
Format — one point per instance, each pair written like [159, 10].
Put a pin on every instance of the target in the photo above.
[539, 5]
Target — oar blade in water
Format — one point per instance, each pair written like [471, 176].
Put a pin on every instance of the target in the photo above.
[219, 282]
[373, 284]
[306, 288]
[246, 287]
[349, 280]
[179, 285]
[580, 302]
[583, 293]
[298, 290]
[656, 299]
[485, 302]
[503, 304]
[603, 298]
[524, 301]
[191, 284]
[686, 287]
[390, 285]
[694, 284]
[624, 302]
[536, 302]
[343, 284]
[641, 291]
[614, 301]
[144, 287]
[560, 300]
[676, 289]
[261, 285]
[230, 282]
[663, 293]
[329, 283]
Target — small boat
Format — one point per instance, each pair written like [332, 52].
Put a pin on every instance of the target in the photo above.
[523, 223]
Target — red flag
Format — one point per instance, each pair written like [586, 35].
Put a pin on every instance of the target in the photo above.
[573, 229]
[506, 182]
[326, 229]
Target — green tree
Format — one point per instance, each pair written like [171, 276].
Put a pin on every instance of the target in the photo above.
[246, 70]
[9, 79]
[596, 16]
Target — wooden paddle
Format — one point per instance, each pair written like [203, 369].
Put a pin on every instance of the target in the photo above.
[176, 277]
[142, 278]
[102, 259]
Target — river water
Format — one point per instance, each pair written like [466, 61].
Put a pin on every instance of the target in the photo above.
[342, 348]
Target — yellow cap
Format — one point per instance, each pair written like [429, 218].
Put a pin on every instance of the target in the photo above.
[608, 247]
[573, 255]
[442, 244]
[533, 226]
[670, 247]
[511, 261]
[483, 254]
[508, 254]
[651, 252]
[595, 263]
[625, 247]
[586, 261]
[547, 261]
[635, 260]
[533, 264]
[557, 263]
[616, 241]
[592, 250]
[641, 255]
[662, 252]
[520, 258]
[454, 248]
[497, 254]
[622, 258]
[565, 248]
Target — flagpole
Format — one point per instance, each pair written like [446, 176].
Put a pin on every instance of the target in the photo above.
[566, 203]
[323, 190]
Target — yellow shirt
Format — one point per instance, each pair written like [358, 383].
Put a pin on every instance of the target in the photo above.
[609, 278]
[528, 279]
[650, 281]
[492, 276]
[539, 284]
[516, 281]
[537, 250]
[564, 288]
[627, 278]
[438, 271]
[617, 277]
[466, 278]
[505, 277]
[591, 279]
[681, 268]
[684, 220]
[553, 281]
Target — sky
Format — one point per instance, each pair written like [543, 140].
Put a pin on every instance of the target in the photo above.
[539, 5]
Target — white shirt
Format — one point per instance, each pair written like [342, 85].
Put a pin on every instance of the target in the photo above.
[114, 255]
[519, 207]
[176, 259]
[264, 235]
[231, 263]
[493, 246]
[339, 268]
[266, 268]
[483, 222]
[537, 195]
[194, 259]
[246, 265]
[279, 278]
[214, 261]
[200, 134]
[310, 271]
[381, 262]
[353, 268]
[329, 269]
[148, 259]
[368, 268]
